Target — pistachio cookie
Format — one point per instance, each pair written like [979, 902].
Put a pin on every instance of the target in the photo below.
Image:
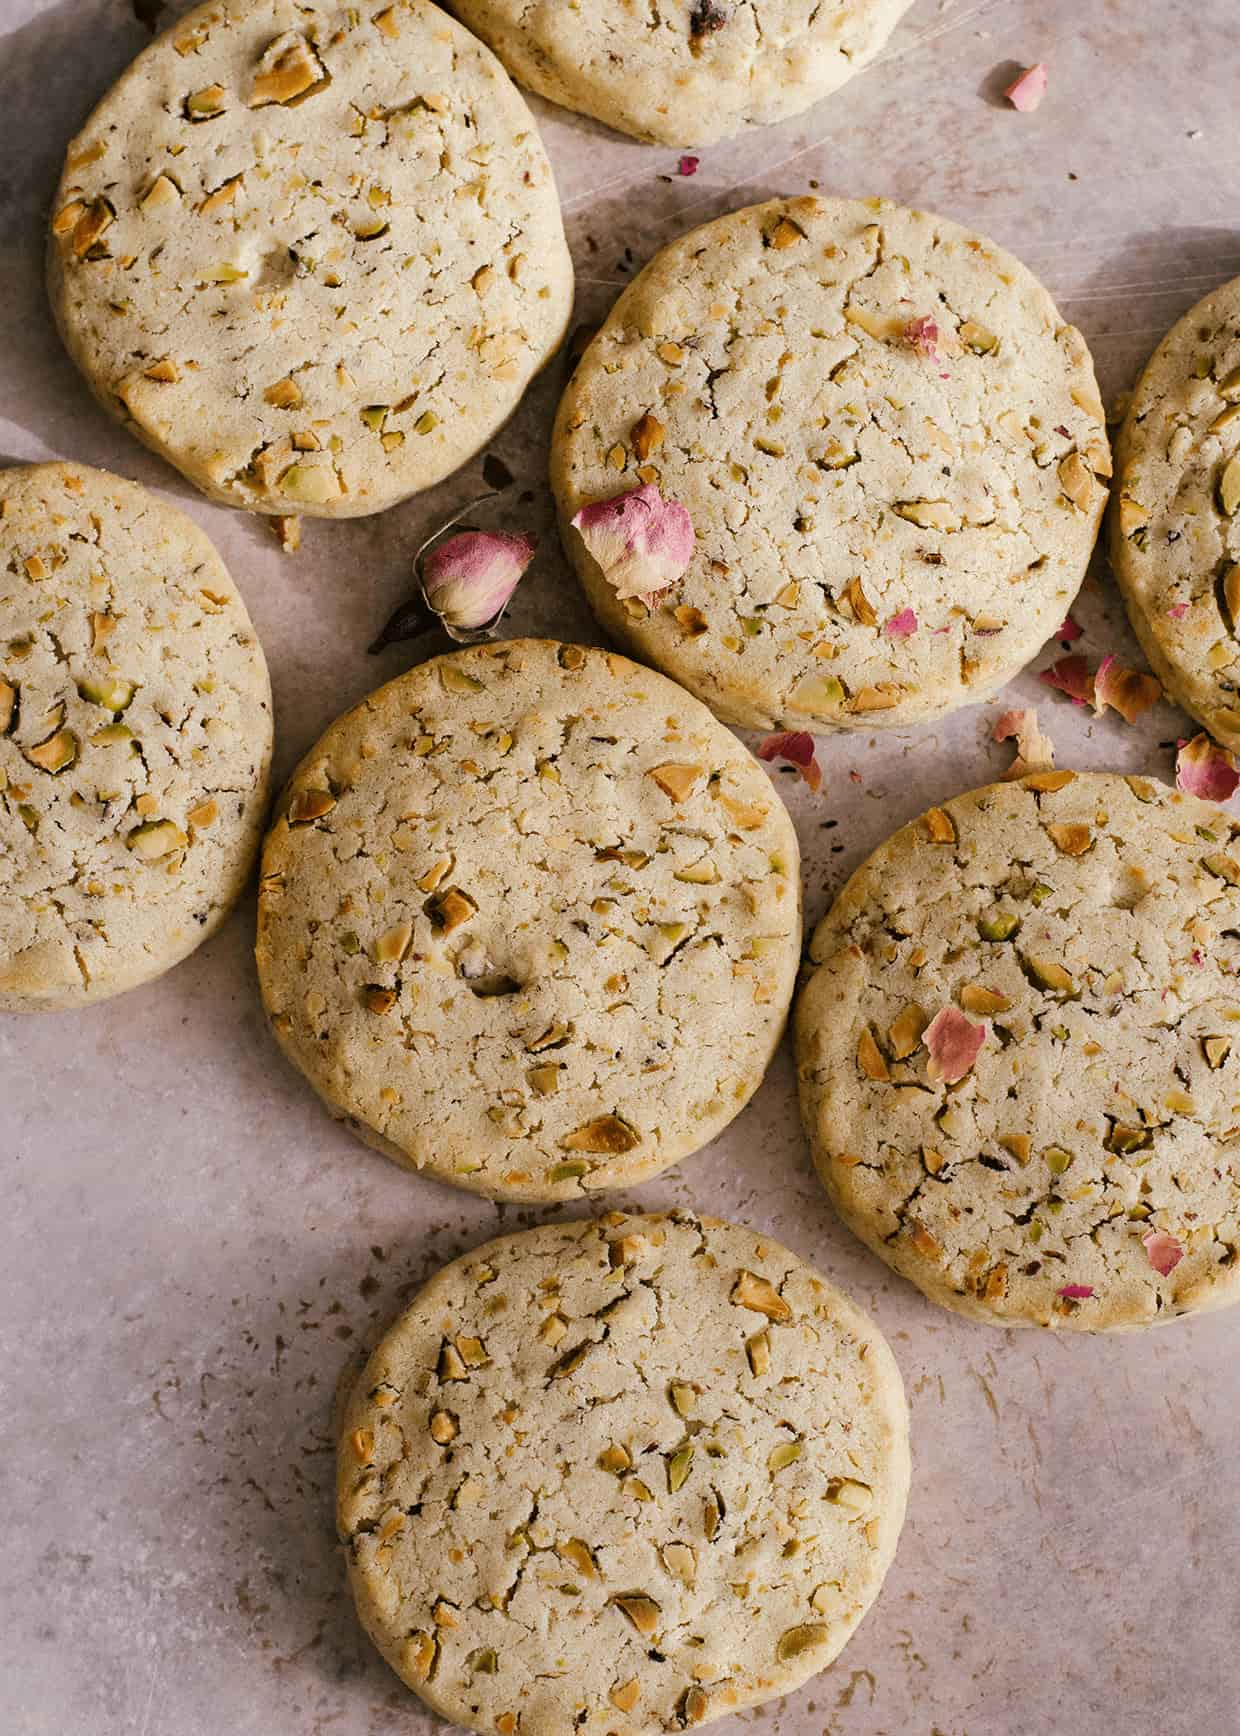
[621, 1477]
[889, 444]
[687, 72]
[1019, 1054]
[529, 918]
[1175, 524]
[311, 256]
[135, 737]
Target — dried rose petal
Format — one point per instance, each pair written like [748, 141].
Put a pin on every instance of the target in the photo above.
[797, 747]
[688, 165]
[642, 542]
[1177, 611]
[922, 335]
[1128, 691]
[1204, 769]
[1164, 1252]
[1035, 752]
[468, 579]
[1070, 632]
[902, 626]
[1071, 675]
[1076, 1292]
[1026, 92]
[953, 1044]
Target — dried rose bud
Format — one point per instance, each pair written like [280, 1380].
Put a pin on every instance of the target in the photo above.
[642, 542]
[468, 580]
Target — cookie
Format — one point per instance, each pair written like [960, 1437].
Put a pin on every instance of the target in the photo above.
[889, 444]
[1175, 521]
[311, 256]
[1019, 1053]
[689, 72]
[621, 1477]
[135, 737]
[529, 918]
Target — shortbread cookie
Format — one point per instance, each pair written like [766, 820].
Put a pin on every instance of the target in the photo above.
[311, 255]
[621, 1477]
[890, 447]
[530, 919]
[135, 737]
[687, 71]
[1019, 1053]
[1175, 524]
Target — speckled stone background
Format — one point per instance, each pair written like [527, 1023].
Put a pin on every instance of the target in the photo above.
[190, 1249]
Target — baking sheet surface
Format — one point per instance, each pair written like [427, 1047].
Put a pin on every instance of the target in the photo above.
[191, 1249]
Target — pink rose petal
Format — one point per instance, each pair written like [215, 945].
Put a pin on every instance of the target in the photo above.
[1071, 676]
[1076, 1292]
[1204, 769]
[953, 1044]
[922, 335]
[797, 747]
[1164, 1251]
[1128, 691]
[1177, 611]
[1035, 752]
[1026, 92]
[1069, 633]
[688, 165]
[903, 625]
[642, 542]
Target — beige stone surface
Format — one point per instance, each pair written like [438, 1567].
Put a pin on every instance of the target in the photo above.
[191, 1251]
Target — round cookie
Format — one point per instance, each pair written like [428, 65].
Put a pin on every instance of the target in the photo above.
[693, 71]
[1081, 1168]
[135, 737]
[621, 1477]
[889, 444]
[529, 918]
[312, 256]
[1175, 521]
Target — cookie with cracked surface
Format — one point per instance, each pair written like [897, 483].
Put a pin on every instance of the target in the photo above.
[311, 256]
[621, 1477]
[890, 445]
[688, 72]
[530, 919]
[135, 737]
[1019, 1058]
[1175, 519]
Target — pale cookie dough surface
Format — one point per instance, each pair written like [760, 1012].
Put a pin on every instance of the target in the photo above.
[530, 919]
[684, 72]
[135, 737]
[1104, 1105]
[621, 1477]
[1175, 523]
[311, 256]
[759, 373]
